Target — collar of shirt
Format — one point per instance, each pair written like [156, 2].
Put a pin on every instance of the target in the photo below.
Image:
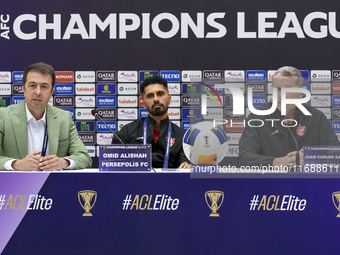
[30, 116]
[36, 131]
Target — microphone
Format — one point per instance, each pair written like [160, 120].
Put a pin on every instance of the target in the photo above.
[297, 156]
[95, 114]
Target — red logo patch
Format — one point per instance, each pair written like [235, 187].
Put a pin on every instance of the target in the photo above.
[301, 130]
[172, 142]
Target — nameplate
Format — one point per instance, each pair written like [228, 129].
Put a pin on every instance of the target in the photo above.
[125, 157]
[321, 159]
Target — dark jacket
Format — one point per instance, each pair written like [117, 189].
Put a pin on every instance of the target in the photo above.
[132, 133]
[261, 145]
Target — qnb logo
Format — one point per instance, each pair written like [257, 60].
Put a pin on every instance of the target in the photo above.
[204, 98]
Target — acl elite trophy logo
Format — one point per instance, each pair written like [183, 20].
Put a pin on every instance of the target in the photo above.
[336, 201]
[215, 198]
[87, 199]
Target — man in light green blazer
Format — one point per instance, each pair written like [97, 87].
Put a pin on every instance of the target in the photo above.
[24, 143]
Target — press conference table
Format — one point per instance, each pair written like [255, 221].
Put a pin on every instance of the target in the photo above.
[168, 212]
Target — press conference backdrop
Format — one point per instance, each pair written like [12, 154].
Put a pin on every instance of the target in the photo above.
[102, 50]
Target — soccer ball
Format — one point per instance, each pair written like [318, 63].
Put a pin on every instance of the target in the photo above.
[204, 144]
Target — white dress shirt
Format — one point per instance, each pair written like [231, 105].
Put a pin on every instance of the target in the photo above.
[36, 133]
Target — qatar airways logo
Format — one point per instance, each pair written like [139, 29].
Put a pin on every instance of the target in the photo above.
[106, 76]
[65, 101]
[17, 89]
[212, 76]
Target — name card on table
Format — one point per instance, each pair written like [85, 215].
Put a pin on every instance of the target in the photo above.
[125, 157]
[321, 159]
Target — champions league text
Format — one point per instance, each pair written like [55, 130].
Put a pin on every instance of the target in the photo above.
[118, 25]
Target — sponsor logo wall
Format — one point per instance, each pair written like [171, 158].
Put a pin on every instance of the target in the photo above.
[115, 93]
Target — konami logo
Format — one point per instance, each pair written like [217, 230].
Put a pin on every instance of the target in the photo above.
[336, 88]
[64, 76]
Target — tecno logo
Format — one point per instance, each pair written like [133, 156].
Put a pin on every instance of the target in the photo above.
[259, 101]
[170, 76]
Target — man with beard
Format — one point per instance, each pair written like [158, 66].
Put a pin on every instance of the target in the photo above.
[156, 127]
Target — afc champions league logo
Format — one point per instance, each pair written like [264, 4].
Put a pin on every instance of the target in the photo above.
[336, 201]
[87, 199]
[214, 199]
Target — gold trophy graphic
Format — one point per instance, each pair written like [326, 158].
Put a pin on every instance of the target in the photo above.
[215, 196]
[88, 197]
[336, 201]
